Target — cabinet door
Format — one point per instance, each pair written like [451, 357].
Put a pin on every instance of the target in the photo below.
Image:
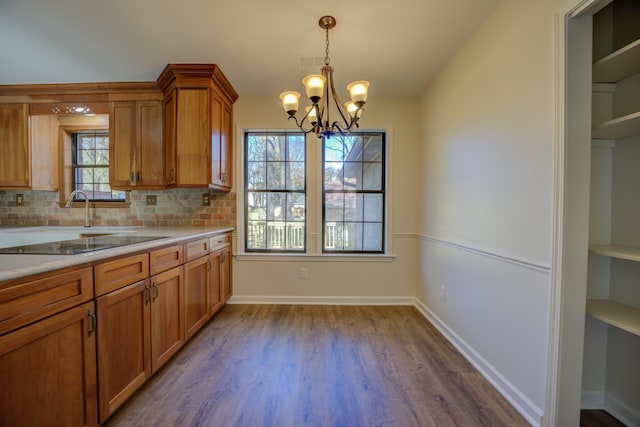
[196, 294]
[193, 137]
[44, 149]
[149, 136]
[123, 168]
[15, 153]
[170, 139]
[48, 371]
[215, 288]
[221, 117]
[225, 274]
[123, 344]
[135, 145]
[167, 319]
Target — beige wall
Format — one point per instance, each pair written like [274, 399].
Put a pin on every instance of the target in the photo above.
[358, 280]
[488, 138]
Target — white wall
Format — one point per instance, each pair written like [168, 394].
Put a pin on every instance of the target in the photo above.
[488, 134]
[390, 280]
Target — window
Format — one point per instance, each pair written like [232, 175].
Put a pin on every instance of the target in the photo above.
[330, 192]
[90, 167]
[353, 193]
[275, 191]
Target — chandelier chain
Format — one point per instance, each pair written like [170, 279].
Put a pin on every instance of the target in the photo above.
[326, 51]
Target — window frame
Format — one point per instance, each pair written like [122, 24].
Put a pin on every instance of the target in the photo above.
[314, 251]
[267, 191]
[76, 166]
[344, 191]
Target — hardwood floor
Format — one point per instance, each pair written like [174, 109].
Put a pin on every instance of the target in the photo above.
[268, 365]
[598, 418]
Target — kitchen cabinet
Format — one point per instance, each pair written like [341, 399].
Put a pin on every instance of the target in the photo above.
[124, 341]
[28, 153]
[48, 371]
[198, 117]
[196, 294]
[15, 152]
[136, 148]
[167, 316]
[612, 332]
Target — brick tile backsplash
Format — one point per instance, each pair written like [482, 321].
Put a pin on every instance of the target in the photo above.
[174, 207]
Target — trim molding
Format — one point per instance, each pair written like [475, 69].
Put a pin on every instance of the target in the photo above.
[319, 300]
[520, 262]
[522, 403]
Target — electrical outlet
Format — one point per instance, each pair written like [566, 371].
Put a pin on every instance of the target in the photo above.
[304, 273]
[151, 200]
[443, 293]
[19, 199]
[206, 199]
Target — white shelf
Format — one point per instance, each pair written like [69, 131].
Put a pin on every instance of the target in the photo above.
[618, 128]
[620, 252]
[618, 65]
[613, 313]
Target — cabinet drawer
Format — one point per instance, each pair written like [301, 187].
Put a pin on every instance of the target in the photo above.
[196, 249]
[164, 259]
[37, 299]
[219, 241]
[112, 275]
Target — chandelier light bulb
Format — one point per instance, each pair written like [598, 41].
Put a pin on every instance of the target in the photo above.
[354, 111]
[358, 91]
[290, 101]
[312, 114]
[314, 84]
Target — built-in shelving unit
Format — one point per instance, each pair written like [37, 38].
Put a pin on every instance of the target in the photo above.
[618, 127]
[611, 368]
[620, 252]
[618, 65]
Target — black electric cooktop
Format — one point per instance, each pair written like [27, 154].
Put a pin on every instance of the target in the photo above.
[78, 246]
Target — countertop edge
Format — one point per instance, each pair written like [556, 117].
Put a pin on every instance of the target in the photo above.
[38, 264]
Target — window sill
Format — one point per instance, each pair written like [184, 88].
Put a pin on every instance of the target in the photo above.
[244, 256]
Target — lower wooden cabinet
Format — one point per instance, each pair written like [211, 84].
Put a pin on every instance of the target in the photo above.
[124, 341]
[225, 274]
[167, 316]
[196, 294]
[47, 371]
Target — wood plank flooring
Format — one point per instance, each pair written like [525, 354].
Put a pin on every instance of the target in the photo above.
[598, 418]
[271, 365]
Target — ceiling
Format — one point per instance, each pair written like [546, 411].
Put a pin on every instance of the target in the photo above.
[397, 45]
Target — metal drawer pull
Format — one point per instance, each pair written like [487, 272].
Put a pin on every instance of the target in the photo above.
[93, 322]
[155, 291]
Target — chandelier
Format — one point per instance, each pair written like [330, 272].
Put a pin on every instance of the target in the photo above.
[320, 88]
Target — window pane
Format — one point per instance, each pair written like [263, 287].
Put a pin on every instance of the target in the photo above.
[256, 148]
[333, 175]
[256, 234]
[295, 175]
[372, 236]
[102, 157]
[256, 206]
[296, 207]
[352, 176]
[275, 206]
[373, 209]
[276, 148]
[296, 148]
[372, 179]
[275, 175]
[353, 190]
[256, 175]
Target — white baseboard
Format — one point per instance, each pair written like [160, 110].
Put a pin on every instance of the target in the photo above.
[520, 402]
[602, 400]
[316, 300]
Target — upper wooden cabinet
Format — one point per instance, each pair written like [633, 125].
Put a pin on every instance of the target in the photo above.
[28, 149]
[198, 116]
[136, 145]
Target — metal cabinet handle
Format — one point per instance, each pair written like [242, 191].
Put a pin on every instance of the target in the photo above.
[147, 294]
[155, 291]
[209, 265]
[92, 316]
